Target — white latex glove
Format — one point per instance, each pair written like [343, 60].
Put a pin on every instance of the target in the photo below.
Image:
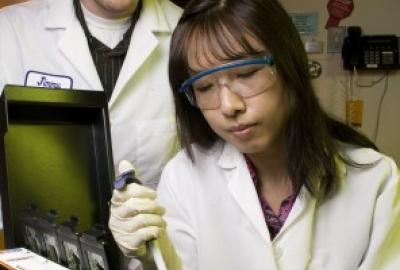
[135, 219]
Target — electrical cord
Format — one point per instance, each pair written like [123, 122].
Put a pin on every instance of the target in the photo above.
[372, 82]
[378, 116]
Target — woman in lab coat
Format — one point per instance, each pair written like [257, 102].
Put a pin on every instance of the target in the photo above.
[266, 180]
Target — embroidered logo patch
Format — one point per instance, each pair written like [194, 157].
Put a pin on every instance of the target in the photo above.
[46, 80]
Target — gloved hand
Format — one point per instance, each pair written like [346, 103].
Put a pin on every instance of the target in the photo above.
[136, 219]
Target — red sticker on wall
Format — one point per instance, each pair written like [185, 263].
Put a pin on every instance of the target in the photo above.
[338, 10]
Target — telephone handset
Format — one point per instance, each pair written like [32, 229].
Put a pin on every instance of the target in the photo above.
[370, 52]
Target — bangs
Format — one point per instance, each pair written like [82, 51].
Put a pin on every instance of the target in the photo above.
[217, 38]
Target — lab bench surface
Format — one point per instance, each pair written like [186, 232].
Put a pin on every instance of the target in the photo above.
[23, 259]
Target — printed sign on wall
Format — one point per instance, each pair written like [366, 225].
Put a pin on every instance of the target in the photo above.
[306, 23]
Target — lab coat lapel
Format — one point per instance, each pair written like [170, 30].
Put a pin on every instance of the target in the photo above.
[297, 236]
[144, 42]
[73, 43]
[299, 226]
[76, 49]
[242, 188]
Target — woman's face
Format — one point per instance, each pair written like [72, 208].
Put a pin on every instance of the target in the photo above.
[253, 124]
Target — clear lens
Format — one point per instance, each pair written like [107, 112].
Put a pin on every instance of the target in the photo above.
[245, 81]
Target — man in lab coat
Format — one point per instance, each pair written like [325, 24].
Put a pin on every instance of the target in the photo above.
[117, 46]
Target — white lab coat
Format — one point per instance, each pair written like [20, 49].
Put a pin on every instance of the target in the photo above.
[44, 37]
[216, 223]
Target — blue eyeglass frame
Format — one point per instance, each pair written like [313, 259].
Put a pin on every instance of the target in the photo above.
[266, 59]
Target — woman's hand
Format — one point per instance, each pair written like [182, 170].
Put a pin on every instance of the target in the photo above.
[136, 219]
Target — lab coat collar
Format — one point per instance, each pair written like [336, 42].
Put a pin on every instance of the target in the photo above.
[300, 220]
[152, 20]
[301, 224]
[60, 14]
[359, 155]
[228, 156]
[242, 188]
[72, 42]
[155, 17]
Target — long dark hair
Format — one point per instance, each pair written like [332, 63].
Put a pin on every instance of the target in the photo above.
[310, 136]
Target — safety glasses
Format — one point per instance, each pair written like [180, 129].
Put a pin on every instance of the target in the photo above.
[245, 77]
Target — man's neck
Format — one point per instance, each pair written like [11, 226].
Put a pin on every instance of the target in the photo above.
[108, 13]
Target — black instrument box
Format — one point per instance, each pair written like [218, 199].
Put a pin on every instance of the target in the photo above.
[55, 152]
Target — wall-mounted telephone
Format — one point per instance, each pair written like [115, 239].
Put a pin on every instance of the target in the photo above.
[370, 52]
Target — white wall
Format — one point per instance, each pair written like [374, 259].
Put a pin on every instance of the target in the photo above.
[375, 17]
